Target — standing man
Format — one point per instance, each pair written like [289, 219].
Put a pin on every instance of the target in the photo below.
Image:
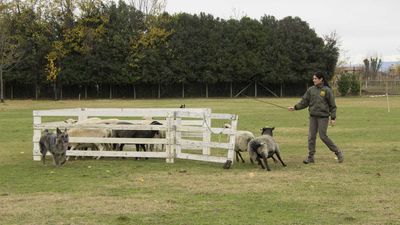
[321, 105]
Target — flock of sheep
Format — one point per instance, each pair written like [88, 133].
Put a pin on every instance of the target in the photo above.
[259, 148]
[106, 133]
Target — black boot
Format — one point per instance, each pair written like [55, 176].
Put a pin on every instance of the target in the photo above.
[340, 156]
[310, 159]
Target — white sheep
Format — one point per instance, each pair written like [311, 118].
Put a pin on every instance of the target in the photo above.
[90, 132]
[264, 147]
[242, 139]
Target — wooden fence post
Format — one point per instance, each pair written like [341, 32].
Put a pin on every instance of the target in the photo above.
[207, 132]
[37, 120]
[231, 147]
[171, 139]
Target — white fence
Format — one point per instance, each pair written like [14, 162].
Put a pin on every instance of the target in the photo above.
[188, 132]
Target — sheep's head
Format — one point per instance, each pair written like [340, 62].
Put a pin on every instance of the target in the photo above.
[267, 131]
[227, 125]
[70, 121]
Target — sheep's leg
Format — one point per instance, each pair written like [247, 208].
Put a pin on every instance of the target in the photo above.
[44, 159]
[137, 149]
[260, 163]
[237, 156]
[73, 147]
[275, 161]
[279, 157]
[240, 155]
[100, 147]
[144, 149]
[251, 160]
[265, 161]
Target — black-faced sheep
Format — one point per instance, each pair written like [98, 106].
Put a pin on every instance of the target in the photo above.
[264, 147]
[135, 134]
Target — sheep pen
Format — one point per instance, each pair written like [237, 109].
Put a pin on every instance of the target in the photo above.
[90, 130]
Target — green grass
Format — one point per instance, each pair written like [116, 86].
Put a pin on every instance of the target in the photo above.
[363, 190]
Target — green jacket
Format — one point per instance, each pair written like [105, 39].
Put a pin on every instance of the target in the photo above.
[320, 102]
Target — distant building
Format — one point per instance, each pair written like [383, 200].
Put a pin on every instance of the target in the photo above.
[350, 69]
[394, 72]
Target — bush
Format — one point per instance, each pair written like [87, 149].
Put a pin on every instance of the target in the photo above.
[355, 84]
[344, 84]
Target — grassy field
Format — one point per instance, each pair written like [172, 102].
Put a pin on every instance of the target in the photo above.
[363, 190]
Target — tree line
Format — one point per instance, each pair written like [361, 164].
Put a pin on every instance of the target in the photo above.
[92, 43]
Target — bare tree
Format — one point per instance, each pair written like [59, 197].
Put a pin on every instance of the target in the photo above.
[237, 14]
[150, 7]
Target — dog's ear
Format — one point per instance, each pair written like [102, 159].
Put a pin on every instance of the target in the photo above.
[58, 131]
[273, 128]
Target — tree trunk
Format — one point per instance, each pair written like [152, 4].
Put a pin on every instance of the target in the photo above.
[183, 90]
[134, 92]
[159, 90]
[85, 92]
[255, 89]
[1, 86]
[55, 90]
[61, 92]
[231, 88]
[12, 92]
[206, 90]
[281, 90]
[110, 92]
[36, 91]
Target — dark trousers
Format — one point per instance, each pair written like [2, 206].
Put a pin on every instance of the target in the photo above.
[319, 125]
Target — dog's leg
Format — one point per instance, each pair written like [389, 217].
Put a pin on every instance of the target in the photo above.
[43, 151]
[55, 159]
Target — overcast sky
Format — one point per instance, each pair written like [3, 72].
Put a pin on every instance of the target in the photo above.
[365, 27]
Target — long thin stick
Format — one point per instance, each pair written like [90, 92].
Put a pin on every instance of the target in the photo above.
[256, 99]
